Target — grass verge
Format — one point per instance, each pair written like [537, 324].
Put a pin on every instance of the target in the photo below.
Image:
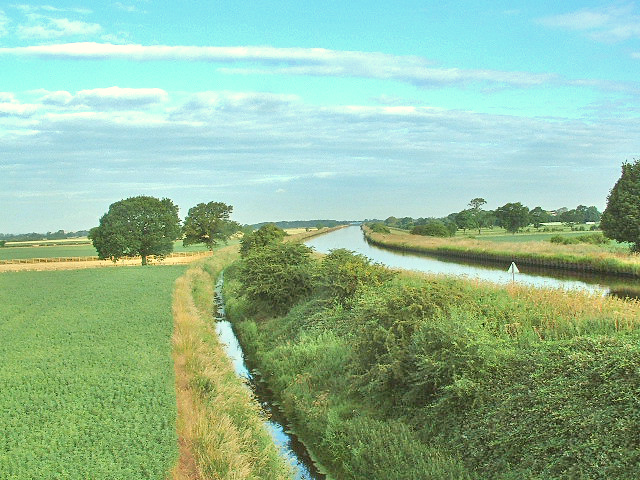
[221, 426]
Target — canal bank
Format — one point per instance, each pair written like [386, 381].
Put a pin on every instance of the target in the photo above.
[353, 238]
[599, 263]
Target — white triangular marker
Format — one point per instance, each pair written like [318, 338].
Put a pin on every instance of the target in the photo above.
[513, 268]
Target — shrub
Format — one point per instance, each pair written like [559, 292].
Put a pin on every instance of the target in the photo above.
[278, 275]
[378, 227]
[432, 229]
[345, 272]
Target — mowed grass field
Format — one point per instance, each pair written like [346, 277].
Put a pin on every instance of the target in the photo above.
[87, 379]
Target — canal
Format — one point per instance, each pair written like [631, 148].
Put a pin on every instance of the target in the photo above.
[352, 238]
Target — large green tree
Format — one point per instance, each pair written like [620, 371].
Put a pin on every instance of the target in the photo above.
[137, 226]
[512, 216]
[209, 223]
[621, 218]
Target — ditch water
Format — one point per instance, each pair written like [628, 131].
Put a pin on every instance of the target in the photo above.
[352, 238]
[287, 442]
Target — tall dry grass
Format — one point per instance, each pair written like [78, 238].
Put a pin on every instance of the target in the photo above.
[220, 425]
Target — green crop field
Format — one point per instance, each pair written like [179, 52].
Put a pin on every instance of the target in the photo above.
[87, 381]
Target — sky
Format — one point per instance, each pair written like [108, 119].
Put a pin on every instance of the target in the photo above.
[291, 110]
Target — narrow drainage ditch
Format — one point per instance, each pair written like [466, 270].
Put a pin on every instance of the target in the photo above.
[287, 442]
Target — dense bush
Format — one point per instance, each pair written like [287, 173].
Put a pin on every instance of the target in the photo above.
[345, 272]
[592, 238]
[432, 229]
[278, 275]
[378, 227]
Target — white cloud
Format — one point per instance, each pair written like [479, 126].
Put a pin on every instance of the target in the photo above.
[4, 22]
[46, 28]
[119, 98]
[612, 23]
[57, 98]
[12, 109]
[352, 156]
[293, 61]
[48, 8]
[125, 8]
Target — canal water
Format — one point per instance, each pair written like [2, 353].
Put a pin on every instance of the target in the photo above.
[289, 445]
[352, 238]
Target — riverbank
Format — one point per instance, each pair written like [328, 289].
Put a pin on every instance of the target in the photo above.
[576, 258]
[220, 425]
[419, 376]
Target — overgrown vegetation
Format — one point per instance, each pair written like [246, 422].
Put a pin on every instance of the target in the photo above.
[433, 377]
[220, 421]
[87, 383]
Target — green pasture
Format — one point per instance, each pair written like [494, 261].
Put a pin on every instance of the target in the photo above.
[87, 382]
[86, 250]
[526, 237]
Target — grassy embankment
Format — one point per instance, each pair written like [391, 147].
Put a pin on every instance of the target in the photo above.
[87, 384]
[578, 257]
[439, 378]
[221, 425]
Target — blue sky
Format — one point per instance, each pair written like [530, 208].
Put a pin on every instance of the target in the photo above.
[299, 110]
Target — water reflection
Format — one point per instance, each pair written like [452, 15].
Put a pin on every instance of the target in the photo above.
[352, 238]
[288, 444]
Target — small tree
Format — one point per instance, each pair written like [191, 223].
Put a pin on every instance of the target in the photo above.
[137, 226]
[621, 218]
[513, 216]
[477, 212]
[265, 235]
[209, 223]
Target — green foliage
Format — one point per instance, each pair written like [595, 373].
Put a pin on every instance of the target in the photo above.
[87, 382]
[278, 275]
[378, 227]
[2, 243]
[209, 223]
[621, 217]
[265, 235]
[137, 226]
[435, 228]
[345, 273]
[469, 380]
[364, 447]
[591, 238]
[512, 216]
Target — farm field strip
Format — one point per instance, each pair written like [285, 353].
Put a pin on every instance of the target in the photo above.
[87, 384]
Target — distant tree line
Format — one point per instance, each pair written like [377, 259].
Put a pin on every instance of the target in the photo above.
[303, 223]
[511, 216]
[32, 237]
